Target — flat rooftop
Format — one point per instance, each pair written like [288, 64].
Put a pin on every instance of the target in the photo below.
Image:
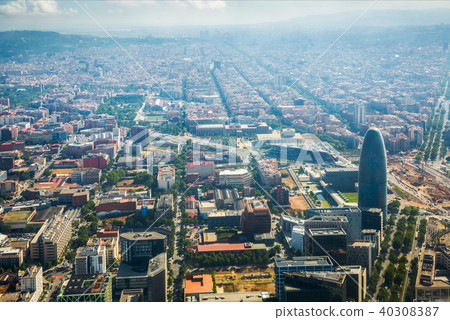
[199, 284]
[86, 283]
[232, 297]
[233, 172]
[360, 244]
[328, 218]
[136, 236]
[329, 276]
[46, 214]
[228, 213]
[341, 170]
[334, 210]
[153, 266]
[327, 232]
[304, 261]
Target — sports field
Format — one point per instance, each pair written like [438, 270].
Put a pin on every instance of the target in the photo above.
[351, 196]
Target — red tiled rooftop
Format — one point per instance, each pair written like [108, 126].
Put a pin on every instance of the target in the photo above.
[221, 247]
[194, 164]
[199, 283]
[192, 214]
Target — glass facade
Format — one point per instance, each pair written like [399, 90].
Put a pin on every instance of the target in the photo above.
[372, 179]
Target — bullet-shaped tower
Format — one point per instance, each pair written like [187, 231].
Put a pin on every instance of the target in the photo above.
[372, 179]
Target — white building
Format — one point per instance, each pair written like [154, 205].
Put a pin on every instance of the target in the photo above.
[31, 282]
[204, 169]
[90, 259]
[206, 207]
[286, 137]
[298, 235]
[166, 178]
[234, 178]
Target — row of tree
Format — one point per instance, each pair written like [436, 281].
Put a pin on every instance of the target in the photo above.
[404, 236]
[220, 259]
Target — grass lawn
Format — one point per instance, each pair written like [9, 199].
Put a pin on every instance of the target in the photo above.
[14, 216]
[325, 204]
[351, 196]
[150, 118]
[401, 193]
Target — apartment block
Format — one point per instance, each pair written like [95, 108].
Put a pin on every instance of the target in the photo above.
[50, 241]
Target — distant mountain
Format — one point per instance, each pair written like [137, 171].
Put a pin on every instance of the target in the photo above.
[374, 18]
[23, 43]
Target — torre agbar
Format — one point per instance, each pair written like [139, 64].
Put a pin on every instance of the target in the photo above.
[372, 179]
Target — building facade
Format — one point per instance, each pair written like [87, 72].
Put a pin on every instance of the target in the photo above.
[372, 179]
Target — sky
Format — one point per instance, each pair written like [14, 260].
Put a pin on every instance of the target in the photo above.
[78, 15]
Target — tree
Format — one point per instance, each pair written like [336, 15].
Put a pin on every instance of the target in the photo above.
[93, 227]
[419, 157]
[144, 178]
[70, 255]
[397, 242]
[393, 257]
[383, 295]
[6, 228]
[389, 274]
[47, 172]
[393, 207]
[403, 260]
[88, 207]
[29, 228]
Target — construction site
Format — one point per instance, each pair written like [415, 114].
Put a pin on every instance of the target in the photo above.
[425, 184]
[245, 280]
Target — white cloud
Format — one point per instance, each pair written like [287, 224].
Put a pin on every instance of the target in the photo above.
[114, 11]
[43, 7]
[33, 8]
[199, 4]
[207, 4]
[14, 8]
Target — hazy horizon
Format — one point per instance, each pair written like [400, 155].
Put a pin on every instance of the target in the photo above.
[84, 16]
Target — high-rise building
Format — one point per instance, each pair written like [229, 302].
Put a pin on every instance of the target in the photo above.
[298, 238]
[360, 253]
[319, 286]
[373, 219]
[352, 214]
[111, 246]
[341, 178]
[90, 259]
[283, 266]
[256, 217]
[372, 179]
[332, 241]
[360, 114]
[52, 238]
[280, 196]
[137, 248]
[151, 277]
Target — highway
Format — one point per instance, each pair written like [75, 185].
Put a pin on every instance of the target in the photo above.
[445, 104]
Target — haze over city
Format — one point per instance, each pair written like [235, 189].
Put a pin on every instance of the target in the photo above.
[225, 151]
